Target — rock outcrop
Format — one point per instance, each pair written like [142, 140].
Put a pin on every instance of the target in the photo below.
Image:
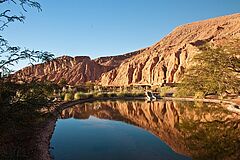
[115, 61]
[165, 61]
[74, 70]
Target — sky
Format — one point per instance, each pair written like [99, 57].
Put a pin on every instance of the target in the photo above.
[107, 27]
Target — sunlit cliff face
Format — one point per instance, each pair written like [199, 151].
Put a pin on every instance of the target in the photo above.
[194, 129]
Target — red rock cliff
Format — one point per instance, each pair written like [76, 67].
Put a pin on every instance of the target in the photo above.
[166, 60]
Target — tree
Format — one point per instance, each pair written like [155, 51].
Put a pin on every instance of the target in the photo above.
[63, 82]
[215, 70]
[11, 55]
[21, 105]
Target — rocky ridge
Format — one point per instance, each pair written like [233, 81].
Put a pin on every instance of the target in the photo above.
[165, 61]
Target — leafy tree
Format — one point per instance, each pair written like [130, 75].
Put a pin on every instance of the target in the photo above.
[11, 55]
[21, 105]
[215, 70]
[63, 82]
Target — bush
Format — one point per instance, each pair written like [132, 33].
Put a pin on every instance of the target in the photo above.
[101, 95]
[127, 94]
[104, 94]
[138, 94]
[81, 95]
[164, 90]
[68, 97]
[77, 96]
[199, 95]
[62, 95]
[112, 94]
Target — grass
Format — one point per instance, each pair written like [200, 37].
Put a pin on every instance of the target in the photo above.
[68, 97]
[82, 95]
[199, 95]
[165, 90]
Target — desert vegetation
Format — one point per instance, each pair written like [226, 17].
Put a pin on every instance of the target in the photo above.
[215, 71]
[69, 93]
[22, 105]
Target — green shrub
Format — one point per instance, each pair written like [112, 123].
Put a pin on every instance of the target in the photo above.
[122, 94]
[81, 95]
[128, 94]
[139, 94]
[104, 94]
[112, 94]
[77, 96]
[181, 92]
[62, 95]
[68, 97]
[199, 95]
[89, 95]
[164, 90]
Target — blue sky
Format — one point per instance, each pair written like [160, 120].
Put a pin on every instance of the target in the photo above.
[108, 27]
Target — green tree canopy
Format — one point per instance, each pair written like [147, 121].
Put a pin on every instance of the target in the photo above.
[10, 55]
[214, 70]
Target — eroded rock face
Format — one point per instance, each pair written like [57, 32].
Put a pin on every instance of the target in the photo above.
[167, 59]
[74, 70]
[115, 61]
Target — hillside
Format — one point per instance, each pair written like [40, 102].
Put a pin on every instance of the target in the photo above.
[167, 59]
[164, 61]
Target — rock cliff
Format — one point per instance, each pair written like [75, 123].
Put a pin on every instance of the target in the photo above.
[74, 70]
[167, 59]
[163, 62]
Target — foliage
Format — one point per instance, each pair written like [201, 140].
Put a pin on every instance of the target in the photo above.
[199, 95]
[22, 106]
[81, 95]
[63, 82]
[68, 97]
[10, 55]
[215, 70]
[164, 90]
[22, 110]
[130, 94]
[13, 94]
[77, 96]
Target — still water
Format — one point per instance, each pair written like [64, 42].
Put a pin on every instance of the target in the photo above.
[161, 130]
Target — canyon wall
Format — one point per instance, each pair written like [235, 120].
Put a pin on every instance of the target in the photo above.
[165, 61]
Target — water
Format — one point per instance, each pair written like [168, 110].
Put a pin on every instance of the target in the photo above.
[128, 130]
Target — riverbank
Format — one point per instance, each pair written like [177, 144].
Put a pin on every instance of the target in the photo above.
[232, 102]
[46, 132]
[44, 136]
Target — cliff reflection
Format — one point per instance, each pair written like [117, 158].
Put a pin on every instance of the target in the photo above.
[201, 131]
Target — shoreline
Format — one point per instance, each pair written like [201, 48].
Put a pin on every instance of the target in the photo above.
[201, 100]
[43, 138]
[46, 132]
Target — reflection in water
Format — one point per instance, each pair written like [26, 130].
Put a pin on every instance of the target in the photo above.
[200, 131]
